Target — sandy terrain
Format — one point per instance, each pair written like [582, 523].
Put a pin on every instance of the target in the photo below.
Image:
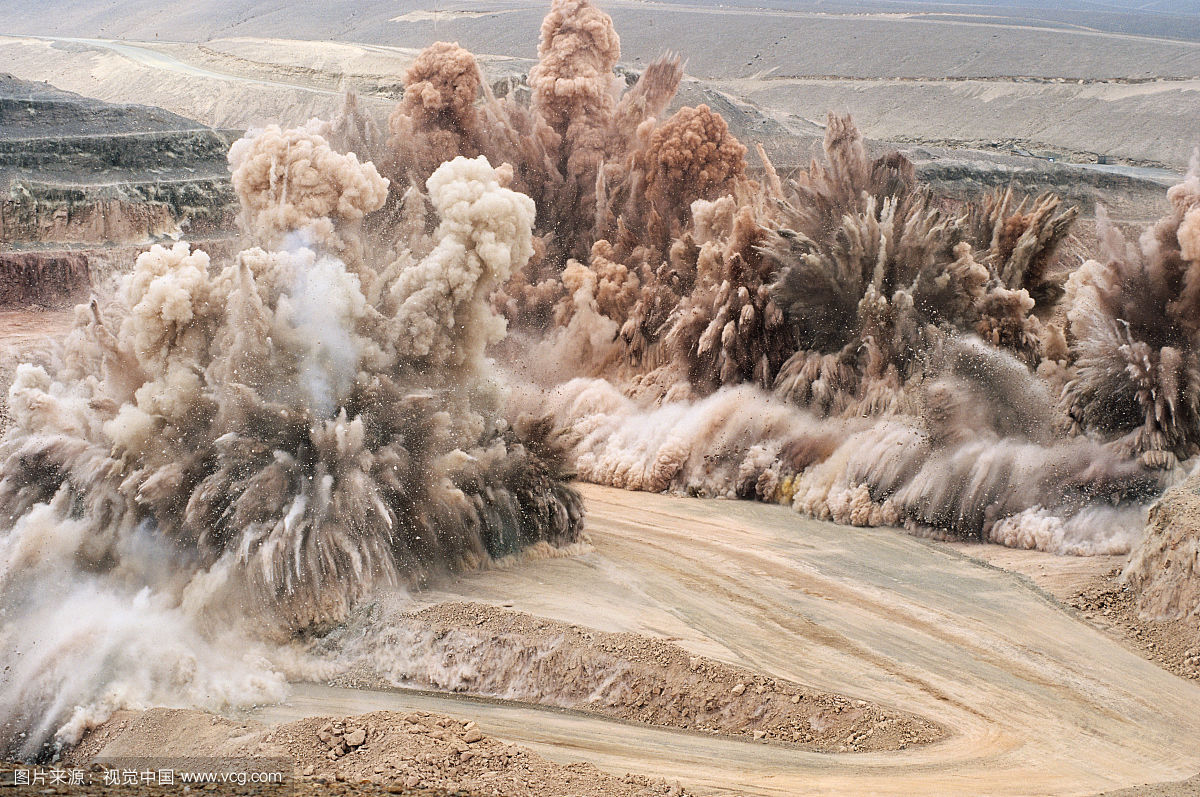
[825, 40]
[1080, 93]
[1035, 701]
[137, 75]
[1093, 587]
[1062, 577]
[1067, 120]
[1032, 698]
[246, 82]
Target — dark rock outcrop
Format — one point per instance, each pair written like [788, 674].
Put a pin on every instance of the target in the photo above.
[45, 278]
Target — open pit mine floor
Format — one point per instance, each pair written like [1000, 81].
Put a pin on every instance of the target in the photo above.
[1032, 700]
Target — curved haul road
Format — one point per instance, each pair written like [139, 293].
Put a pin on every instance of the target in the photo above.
[1037, 703]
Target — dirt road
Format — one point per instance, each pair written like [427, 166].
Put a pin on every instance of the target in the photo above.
[1036, 701]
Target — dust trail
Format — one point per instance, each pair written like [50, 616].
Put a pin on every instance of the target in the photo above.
[970, 474]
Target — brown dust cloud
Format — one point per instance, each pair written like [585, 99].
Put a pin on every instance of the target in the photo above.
[434, 326]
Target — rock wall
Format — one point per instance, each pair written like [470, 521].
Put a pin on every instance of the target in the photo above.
[37, 212]
[83, 221]
[1164, 571]
[75, 170]
[44, 278]
[119, 150]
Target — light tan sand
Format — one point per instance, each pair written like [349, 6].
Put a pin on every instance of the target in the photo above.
[1081, 103]
[1036, 700]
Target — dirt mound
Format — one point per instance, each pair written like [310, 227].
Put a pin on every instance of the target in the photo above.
[484, 650]
[380, 750]
[1111, 605]
[1164, 571]
[1179, 788]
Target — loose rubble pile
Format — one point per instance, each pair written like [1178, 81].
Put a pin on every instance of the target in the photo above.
[424, 750]
[342, 738]
[486, 650]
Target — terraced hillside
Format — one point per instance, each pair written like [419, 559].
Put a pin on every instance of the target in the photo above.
[77, 172]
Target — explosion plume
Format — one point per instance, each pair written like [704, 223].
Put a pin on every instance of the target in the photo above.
[576, 136]
[289, 444]
[575, 90]
[1134, 324]
[853, 292]
[872, 275]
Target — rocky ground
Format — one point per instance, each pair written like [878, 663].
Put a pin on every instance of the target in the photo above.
[1111, 605]
[486, 650]
[415, 753]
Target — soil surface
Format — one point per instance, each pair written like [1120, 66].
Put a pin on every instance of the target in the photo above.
[366, 754]
[1109, 604]
[1092, 586]
[1034, 699]
[1011, 666]
[479, 649]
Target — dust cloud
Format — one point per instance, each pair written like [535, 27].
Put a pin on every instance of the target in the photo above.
[434, 325]
[253, 447]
